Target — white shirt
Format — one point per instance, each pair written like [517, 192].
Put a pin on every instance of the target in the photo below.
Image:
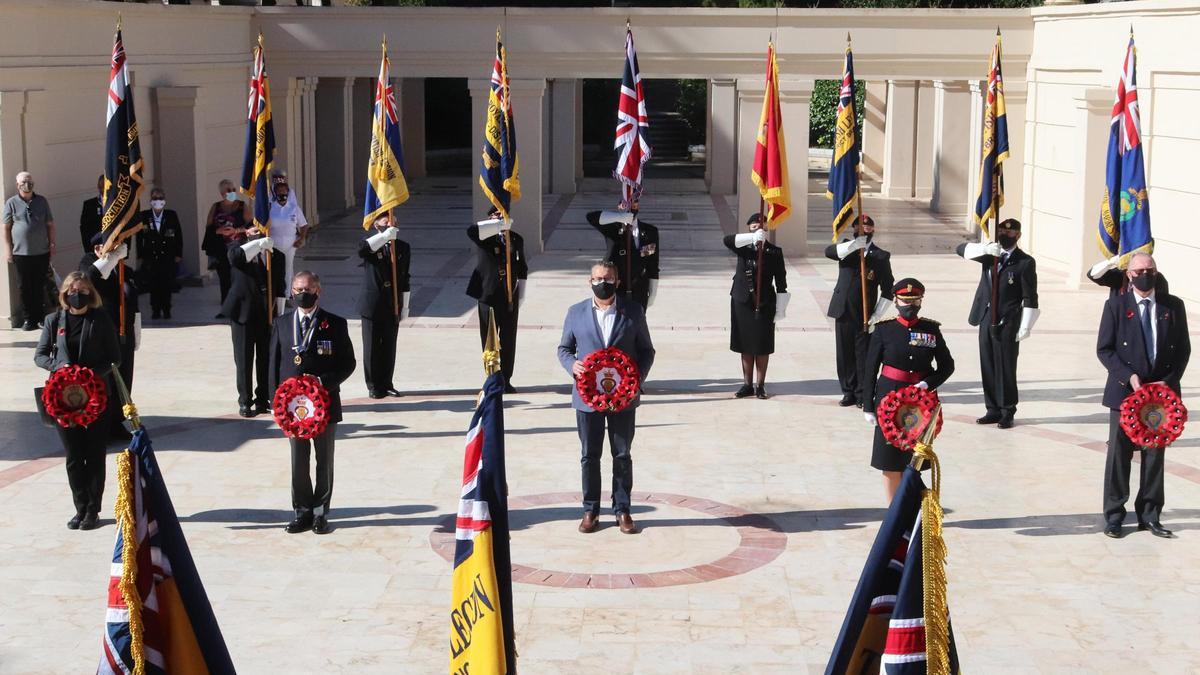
[1142, 309]
[285, 221]
[606, 317]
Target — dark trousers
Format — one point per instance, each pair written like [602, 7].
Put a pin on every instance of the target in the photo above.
[851, 342]
[998, 351]
[506, 325]
[306, 499]
[620, 439]
[161, 276]
[379, 352]
[640, 294]
[250, 347]
[31, 279]
[224, 277]
[85, 464]
[1151, 489]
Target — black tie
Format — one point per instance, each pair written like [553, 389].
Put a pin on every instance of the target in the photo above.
[304, 323]
[1147, 330]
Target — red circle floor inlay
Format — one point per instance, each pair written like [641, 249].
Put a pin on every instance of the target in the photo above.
[761, 541]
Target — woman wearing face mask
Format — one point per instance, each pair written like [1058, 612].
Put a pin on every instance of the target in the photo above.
[752, 330]
[907, 350]
[79, 333]
[160, 250]
[287, 224]
[226, 226]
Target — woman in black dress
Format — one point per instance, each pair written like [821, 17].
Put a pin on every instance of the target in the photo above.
[903, 352]
[80, 333]
[752, 332]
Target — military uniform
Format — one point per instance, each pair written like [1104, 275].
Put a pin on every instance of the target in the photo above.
[247, 307]
[903, 353]
[635, 255]
[845, 308]
[380, 321]
[488, 286]
[159, 244]
[753, 332]
[89, 221]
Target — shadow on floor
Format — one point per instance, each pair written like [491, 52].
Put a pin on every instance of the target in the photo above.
[1075, 523]
[268, 519]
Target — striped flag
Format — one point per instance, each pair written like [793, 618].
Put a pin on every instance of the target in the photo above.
[122, 150]
[632, 123]
[159, 619]
[769, 171]
[260, 141]
[481, 621]
[386, 187]
[994, 148]
[1124, 227]
[498, 169]
[843, 173]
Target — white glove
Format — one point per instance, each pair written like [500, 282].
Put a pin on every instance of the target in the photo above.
[781, 303]
[521, 292]
[405, 307]
[882, 307]
[847, 247]
[760, 236]
[976, 251]
[1103, 266]
[653, 292]
[743, 239]
[137, 331]
[1029, 316]
[493, 227]
[922, 385]
[106, 263]
[377, 241]
[253, 248]
[869, 417]
[623, 217]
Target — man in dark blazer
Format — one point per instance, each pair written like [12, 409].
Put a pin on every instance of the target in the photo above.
[846, 310]
[101, 270]
[250, 317]
[380, 322]
[160, 250]
[1017, 312]
[311, 341]
[1143, 338]
[490, 285]
[607, 320]
[633, 250]
[89, 217]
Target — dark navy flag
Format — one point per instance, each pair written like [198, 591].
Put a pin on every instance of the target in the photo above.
[260, 141]
[122, 149]
[1124, 227]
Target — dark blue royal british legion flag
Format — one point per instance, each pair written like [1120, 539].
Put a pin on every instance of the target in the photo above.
[260, 141]
[1124, 227]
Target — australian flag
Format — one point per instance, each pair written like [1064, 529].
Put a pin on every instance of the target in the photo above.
[1124, 227]
[884, 630]
[159, 619]
[260, 141]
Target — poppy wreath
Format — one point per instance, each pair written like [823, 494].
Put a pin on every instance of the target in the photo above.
[904, 413]
[301, 407]
[75, 396]
[1153, 416]
[610, 381]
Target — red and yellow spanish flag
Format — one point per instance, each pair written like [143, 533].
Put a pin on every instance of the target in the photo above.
[769, 171]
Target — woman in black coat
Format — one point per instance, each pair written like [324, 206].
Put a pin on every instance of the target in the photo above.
[80, 333]
[752, 331]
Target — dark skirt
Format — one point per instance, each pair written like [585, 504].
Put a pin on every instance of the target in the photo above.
[884, 455]
[751, 332]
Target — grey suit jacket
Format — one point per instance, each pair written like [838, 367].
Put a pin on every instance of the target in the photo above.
[581, 336]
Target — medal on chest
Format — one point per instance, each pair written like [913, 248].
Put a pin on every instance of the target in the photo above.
[917, 339]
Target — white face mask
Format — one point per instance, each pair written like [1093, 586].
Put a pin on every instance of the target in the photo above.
[231, 196]
[158, 204]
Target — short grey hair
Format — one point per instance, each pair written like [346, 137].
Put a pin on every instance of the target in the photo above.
[312, 277]
[607, 264]
[23, 174]
[1143, 254]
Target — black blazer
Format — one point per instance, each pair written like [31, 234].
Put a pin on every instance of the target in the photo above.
[109, 290]
[919, 349]
[644, 263]
[375, 298]
[247, 298]
[487, 281]
[89, 221]
[99, 349]
[846, 302]
[1122, 350]
[330, 355]
[774, 272]
[164, 245]
[1018, 287]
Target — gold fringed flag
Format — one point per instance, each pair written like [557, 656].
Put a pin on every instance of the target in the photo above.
[386, 187]
[259, 156]
[994, 148]
[843, 172]
[498, 167]
[122, 149]
[769, 172]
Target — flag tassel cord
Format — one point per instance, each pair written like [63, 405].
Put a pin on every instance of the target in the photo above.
[933, 556]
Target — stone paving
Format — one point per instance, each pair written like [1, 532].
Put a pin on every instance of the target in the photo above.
[757, 515]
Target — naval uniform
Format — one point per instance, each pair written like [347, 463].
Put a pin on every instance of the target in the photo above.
[246, 307]
[901, 354]
[633, 271]
[845, 308]
[380, 321]
[753, 332]
[159, 243]
[487, 285]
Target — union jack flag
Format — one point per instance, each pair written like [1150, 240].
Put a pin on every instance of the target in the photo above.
[259, 156]
[632, 123]
[159, 619]
[1124, 227]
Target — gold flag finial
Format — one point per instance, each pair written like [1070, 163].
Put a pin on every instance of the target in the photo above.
[121, 19]
[260, 39]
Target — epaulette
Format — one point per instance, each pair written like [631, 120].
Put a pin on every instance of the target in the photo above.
[936, 323]
[883, 321]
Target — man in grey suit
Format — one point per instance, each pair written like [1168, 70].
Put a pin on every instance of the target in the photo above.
[601, 322]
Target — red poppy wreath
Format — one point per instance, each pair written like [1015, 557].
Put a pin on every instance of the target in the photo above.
[904, 413]
[301, 407]
[610, 381]
[1153, 416]
[75, 396]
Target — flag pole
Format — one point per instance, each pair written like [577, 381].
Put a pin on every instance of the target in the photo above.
[395, 291]
[862, 258]
[270, 290]
[121, 295]
[995, 197]
[762, 205]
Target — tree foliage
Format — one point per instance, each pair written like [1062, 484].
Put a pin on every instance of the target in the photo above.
[822, 126]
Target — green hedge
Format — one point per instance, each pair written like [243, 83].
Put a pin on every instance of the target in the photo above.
[822, 125]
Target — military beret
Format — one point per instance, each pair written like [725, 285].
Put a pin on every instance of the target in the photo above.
[908, 289]
[1010, 224]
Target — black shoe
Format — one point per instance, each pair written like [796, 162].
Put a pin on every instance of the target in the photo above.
[761, 392]
[262, 409]
[375, 394]
[509, 389]
[1113, 530]
[246, 411]
[990, 418]
[1006, 422]
[73, 523]
[858, 404]
[395, 393]
[220, 315]
[299, 524]
[156, 314]
[320, 525]
[1156, 529]
[29, 325]
[746, 390]
[89, 522]
[848, 400]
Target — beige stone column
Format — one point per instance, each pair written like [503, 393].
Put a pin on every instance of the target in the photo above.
[1016, 95]
[721, 146]
[527, 102]
[874, 115]
[1093, 115]
[565, 127]
[976, 146]
[924, 141]
[308, 166]
[749, 100]
[899, 160]
[12, 160]
[479, 107]
[349, 119]
[952, 159]
[333, 144]
[411, 101]
[363, 98]
[181, 165]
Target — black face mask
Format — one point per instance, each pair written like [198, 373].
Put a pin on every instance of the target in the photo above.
[869, 236]
[78, 300]
[1144, 281]
[604, 289]
[305, 299]
[908, 312]
[1006, 241]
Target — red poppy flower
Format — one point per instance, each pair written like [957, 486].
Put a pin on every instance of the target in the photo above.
[1129, 314]
[324, 325]
[75, 395]
[610, 381]
[904, 414]
[301, 407]
[1153, 416]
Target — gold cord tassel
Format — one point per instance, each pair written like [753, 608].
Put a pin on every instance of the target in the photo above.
[933, 566]
[129, 592]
